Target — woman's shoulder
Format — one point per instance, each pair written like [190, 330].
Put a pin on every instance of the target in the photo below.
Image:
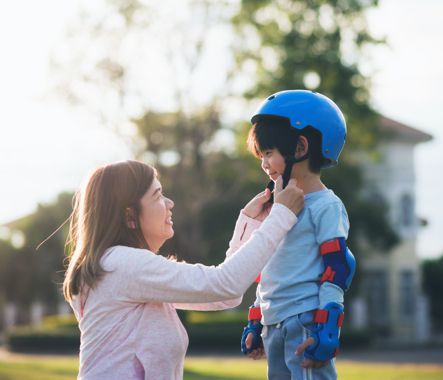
[120, 256]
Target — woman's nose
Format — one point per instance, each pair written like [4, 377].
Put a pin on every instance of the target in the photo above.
[171, 203]
[264, 164]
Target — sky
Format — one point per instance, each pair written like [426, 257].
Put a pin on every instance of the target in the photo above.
[47, 146]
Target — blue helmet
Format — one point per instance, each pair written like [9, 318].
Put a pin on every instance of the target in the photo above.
[307, 108]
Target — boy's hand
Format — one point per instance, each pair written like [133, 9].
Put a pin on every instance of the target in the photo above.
[258, 207]
[291, 196]
[259, 353]
[309, 363]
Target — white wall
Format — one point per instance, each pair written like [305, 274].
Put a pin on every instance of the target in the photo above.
[392, 177]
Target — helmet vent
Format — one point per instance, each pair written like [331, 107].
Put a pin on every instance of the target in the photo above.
[271, 97]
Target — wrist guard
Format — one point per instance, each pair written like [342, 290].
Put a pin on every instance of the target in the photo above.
[327, 332]
[255, 328]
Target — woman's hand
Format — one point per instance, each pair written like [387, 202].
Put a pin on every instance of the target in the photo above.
[258, 207]
[291, 196]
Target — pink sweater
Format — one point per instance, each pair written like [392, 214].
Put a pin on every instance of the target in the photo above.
[130, 328]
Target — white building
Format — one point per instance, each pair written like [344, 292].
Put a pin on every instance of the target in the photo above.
[391, 300]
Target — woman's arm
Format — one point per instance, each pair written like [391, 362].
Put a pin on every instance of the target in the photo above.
[242, 232]
[244, 227]
[141, 276]
[210, 306]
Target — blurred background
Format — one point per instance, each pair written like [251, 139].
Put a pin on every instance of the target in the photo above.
[174, 83]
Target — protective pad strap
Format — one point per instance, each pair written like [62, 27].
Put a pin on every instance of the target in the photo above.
[254, 313]
[322, 316]
[330, 246]
[339, 263]
[327, 333]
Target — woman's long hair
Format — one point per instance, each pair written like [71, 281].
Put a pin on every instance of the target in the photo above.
[99, 220]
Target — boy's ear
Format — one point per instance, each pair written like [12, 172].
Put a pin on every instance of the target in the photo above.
[130, 219]
[302, 146]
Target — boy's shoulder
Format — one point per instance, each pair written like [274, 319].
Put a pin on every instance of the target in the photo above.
[329, 217]
[326, 204]
[321, 199]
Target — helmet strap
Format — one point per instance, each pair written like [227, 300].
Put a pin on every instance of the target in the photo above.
[289, 163]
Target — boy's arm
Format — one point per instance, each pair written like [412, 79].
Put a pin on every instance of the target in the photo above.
[339, 264]
[332, 227]
[251, 340]
[331, 231]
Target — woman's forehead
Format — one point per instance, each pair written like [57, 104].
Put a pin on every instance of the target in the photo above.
[154, 186]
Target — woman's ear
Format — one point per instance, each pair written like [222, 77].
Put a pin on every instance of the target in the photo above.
[130, 218]
[302, 146]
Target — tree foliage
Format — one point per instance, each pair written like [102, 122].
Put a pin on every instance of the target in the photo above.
[433, 287]
[141, 63]
[313, 44]
[317, 45]
[28, 274]
[277, 45]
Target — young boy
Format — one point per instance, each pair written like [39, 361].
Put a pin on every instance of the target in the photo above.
[299, 308]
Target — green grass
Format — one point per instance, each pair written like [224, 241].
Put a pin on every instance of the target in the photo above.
[33, 367]
[237, 369]
[22, 367]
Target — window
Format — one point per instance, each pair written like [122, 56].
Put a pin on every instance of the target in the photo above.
[375, 287]
[406, 211]
[407, 295]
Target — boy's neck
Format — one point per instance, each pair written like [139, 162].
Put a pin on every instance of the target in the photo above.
[306, 180]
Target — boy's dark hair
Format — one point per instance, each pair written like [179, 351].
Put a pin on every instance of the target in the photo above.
[276, 132]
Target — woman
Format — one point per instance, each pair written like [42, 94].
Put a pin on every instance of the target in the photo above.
[124, 295]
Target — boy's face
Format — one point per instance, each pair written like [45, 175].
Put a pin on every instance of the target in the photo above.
[272, 163]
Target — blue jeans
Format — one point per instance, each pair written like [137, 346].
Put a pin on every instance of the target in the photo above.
[280, 342]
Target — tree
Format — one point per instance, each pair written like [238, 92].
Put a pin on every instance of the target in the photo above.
[289, 44]
[143, 62]
[128, 58]
[317, 45]
[36, 275]
[433, 287]
[6, 254]
[309, 44]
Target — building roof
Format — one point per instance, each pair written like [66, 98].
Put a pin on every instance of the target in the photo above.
[403, 131]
